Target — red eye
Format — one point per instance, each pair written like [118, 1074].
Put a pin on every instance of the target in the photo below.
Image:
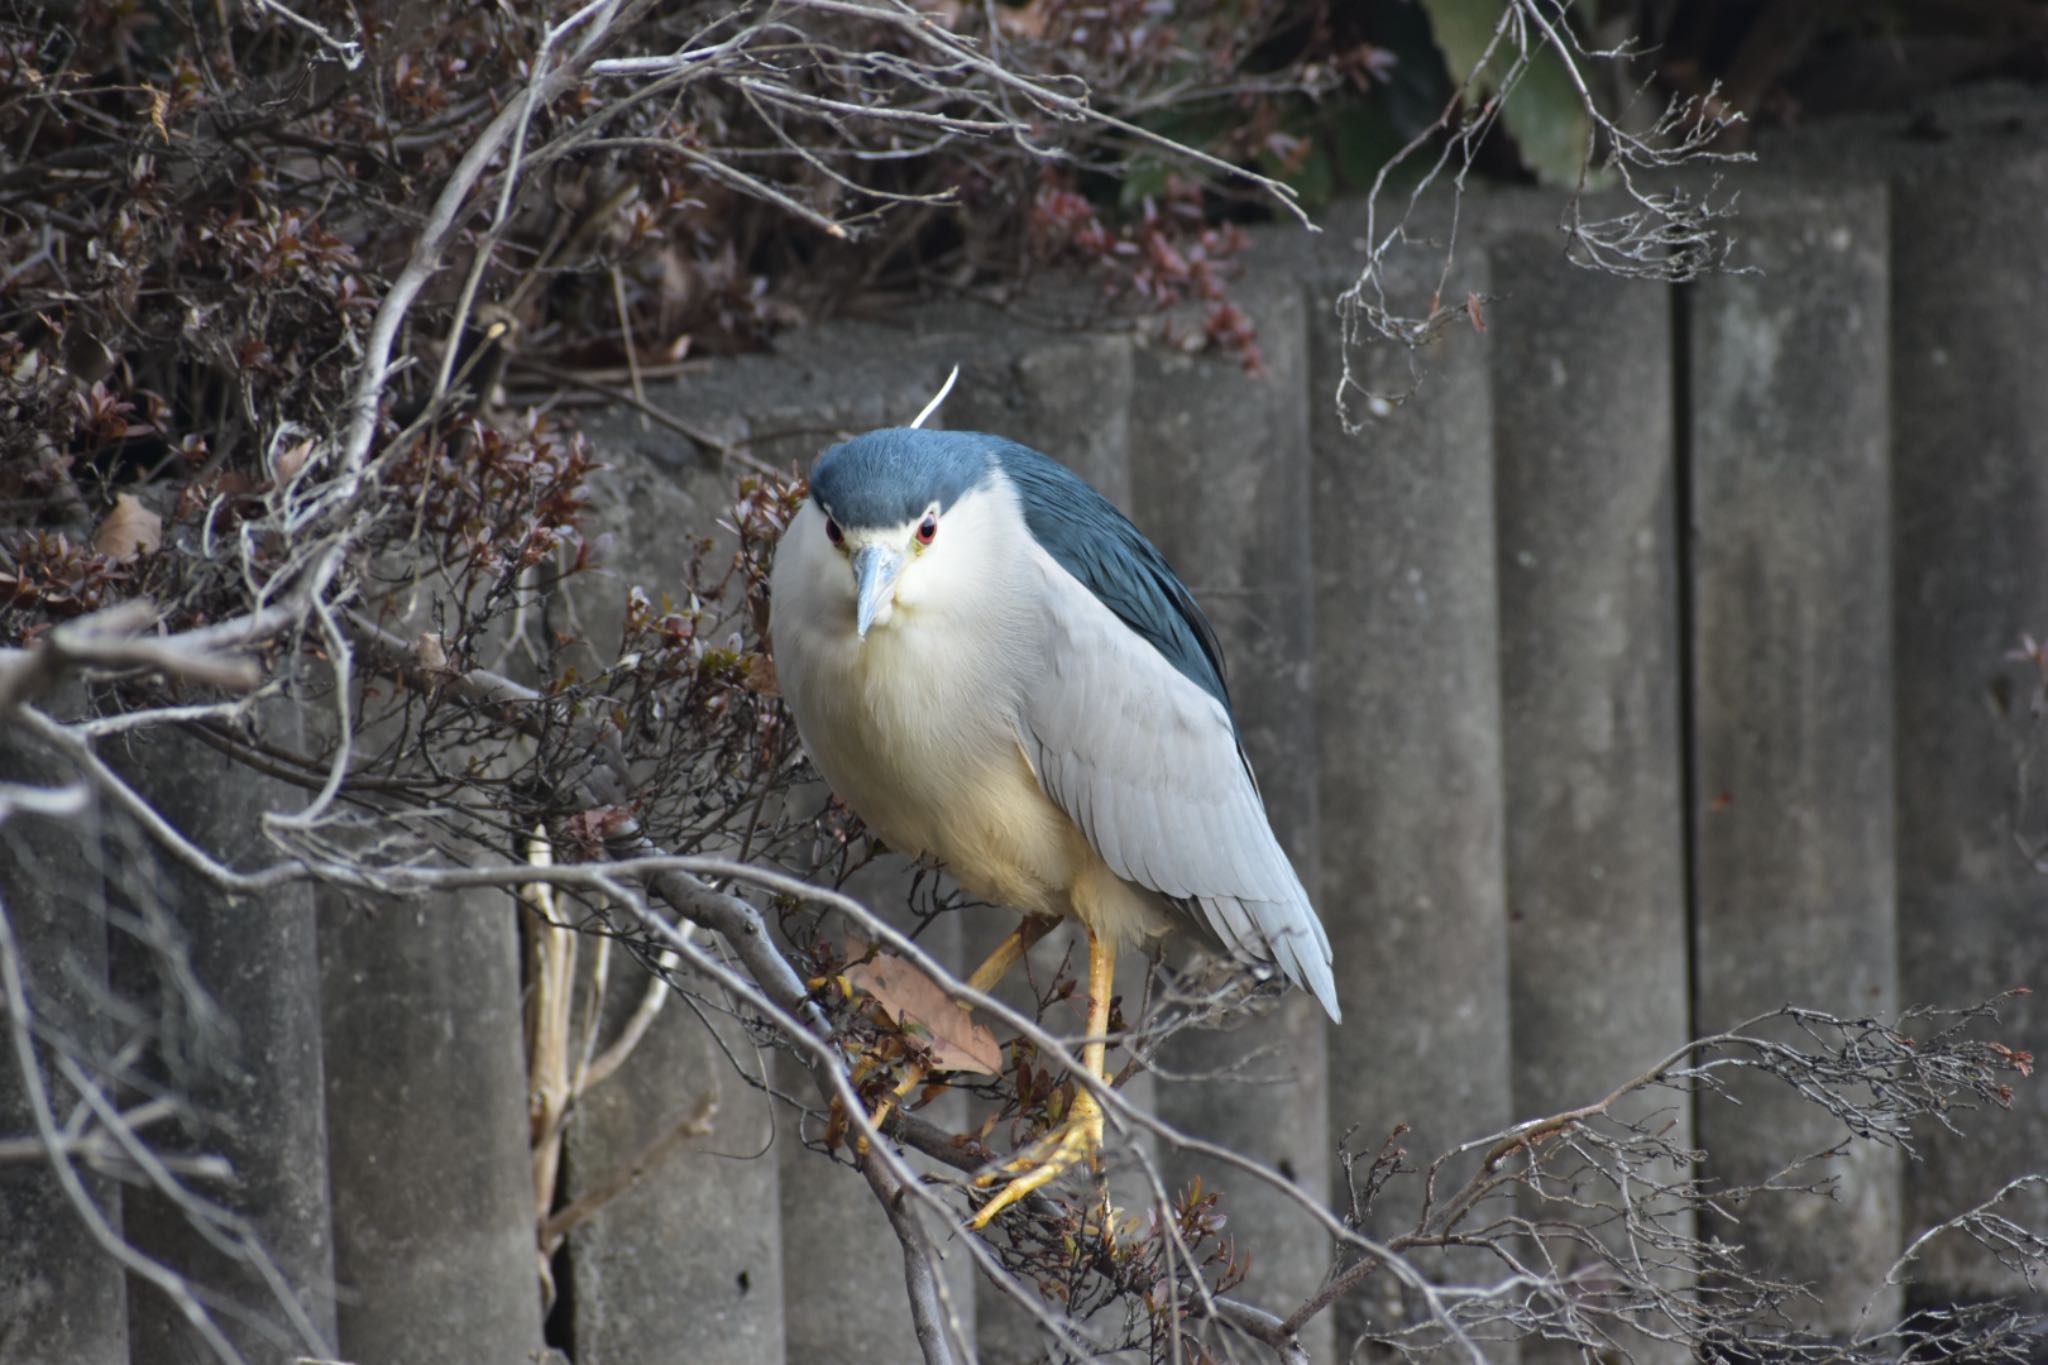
[833, 533]
[927, 528]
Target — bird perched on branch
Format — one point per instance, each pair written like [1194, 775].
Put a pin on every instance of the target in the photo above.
[990, 664]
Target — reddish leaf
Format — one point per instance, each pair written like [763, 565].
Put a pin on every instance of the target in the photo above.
[2022, 1062]
[592, 829]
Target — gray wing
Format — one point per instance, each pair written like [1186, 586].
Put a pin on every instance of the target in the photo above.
[1147, 764]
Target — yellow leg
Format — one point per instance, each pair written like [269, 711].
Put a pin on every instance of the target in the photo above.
[1080, 1137]
[985, 979]
[992, 971]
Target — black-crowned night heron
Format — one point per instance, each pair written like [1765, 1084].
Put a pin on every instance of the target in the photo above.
[990, 664]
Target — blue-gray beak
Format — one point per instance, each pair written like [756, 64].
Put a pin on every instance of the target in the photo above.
[874, 570]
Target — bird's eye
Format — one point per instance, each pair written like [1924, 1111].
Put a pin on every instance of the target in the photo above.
[833, 533]
[927, 528]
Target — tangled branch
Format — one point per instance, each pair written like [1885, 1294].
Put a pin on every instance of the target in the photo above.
[1664, 233]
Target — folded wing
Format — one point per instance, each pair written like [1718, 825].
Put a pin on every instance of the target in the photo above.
[1147, 764]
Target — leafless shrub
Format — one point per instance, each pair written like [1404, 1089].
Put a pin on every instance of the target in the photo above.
[1659, 232]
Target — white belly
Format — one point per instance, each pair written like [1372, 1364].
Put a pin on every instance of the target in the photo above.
[929, 759]
[927, 755]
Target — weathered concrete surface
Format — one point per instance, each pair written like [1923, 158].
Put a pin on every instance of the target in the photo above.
[1408, 714]
[1792, 802]
[1068, 396]
[819, 386]
[434, 1217]
[1970, 328]
[693, 1252]
[62, 1298]
[655, 497]
[260, 1097]
[1589, 651]
[1220, 478]
[1586, 522]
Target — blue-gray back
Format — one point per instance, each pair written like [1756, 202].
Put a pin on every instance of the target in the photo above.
[1097, 544]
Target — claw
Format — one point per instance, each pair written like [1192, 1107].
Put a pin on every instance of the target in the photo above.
[1078, 1139]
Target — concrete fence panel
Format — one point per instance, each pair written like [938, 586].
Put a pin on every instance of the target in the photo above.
[1792, 783]
[1408, 711]
[1593, 766]
[63, 1299]
[434, 1251]
[257, 1095]
[693, 1253]
[1970, 409]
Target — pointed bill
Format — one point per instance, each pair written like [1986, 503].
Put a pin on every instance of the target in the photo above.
[874, 570]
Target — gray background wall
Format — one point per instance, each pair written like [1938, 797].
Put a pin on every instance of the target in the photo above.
[1627, 679]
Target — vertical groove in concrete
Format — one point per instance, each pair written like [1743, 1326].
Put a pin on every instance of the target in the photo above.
[1408, 715]
[1220, 473]
[1682, 400]
[1589, 687]
[692, 1253]
[434, 1217]
[1793, 729]
[62, 1297]
[258, 1100]
[1970, 330]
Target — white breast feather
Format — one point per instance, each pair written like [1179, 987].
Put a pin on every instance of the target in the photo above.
[915, 726]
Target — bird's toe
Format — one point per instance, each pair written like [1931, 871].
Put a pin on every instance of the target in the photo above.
[1077, 1140]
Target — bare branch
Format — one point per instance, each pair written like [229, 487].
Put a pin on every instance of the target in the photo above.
[1665, 235]
[112, 639]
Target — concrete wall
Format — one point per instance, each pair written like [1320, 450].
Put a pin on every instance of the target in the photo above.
[1624, 679]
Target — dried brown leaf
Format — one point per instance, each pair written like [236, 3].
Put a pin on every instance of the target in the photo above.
[432, 652]
[761, 677]
[129, 530]
[291, 461]
[918, 1002]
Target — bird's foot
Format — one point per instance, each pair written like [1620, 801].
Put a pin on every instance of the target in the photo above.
[880, 1114]
[1074, 1141]
[841, 1125]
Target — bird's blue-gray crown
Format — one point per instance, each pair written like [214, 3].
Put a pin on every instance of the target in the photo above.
[888, 478]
